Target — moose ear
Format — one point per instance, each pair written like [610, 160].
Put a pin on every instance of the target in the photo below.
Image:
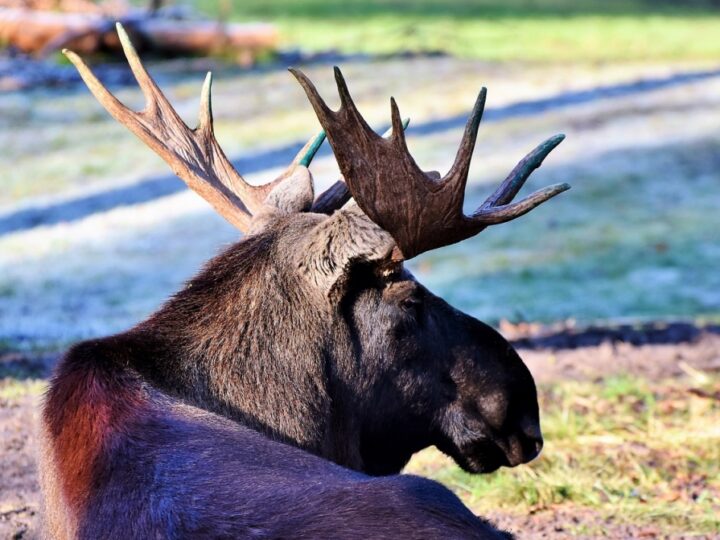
[334, 245]
[293, 194]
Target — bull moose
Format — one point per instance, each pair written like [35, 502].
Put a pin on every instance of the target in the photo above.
[305, 343]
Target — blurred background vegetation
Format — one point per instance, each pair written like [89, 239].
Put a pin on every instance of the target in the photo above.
[525, 30]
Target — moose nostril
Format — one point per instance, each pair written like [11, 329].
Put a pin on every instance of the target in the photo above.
[533, 446]
[538, 446]
[529, 440]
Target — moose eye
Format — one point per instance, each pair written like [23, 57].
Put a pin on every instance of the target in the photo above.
[405, 294]
[411, 303]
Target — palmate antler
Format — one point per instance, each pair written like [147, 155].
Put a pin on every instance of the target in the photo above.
[193, 154]
[420, 210]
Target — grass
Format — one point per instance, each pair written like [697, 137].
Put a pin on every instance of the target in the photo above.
[526, 30]
[12, 390]
[635, 237]
[625, 450]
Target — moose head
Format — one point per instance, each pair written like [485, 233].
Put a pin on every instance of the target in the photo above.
[310, 329]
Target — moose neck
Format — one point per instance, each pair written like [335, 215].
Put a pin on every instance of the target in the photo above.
[234, 341]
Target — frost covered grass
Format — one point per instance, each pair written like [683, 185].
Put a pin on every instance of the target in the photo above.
[63, 143]
[623, 450]
[636, 237]
[638, 242]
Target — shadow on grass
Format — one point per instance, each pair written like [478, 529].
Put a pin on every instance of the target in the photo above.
[637, 335]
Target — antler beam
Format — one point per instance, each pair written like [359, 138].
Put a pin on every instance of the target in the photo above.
[193, 154]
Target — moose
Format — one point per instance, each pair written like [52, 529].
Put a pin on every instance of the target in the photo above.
[278, 394]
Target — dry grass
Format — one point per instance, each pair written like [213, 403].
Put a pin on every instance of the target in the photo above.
[628, 450]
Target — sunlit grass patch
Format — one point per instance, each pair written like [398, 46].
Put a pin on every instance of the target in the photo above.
[16, 389]
[629, 450]
[512, 30]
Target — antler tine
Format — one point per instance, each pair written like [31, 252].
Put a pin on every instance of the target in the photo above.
[194, 155]
[205, 116]
[508, 212]
[522, 171]
[323, 112]
[307, 153]
[347, 106]
[458, 173]
[151, 91]
[396, 132]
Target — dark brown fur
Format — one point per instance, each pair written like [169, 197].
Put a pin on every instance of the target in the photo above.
[293, 335]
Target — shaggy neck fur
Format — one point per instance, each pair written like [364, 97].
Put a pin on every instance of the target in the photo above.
[208, 345]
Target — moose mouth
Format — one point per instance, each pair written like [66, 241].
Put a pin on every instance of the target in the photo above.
[486, 455]
[480, 456]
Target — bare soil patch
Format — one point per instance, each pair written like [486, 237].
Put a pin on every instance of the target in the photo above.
[653, 351]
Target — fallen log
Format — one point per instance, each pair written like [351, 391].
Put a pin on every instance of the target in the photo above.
[204, 37]
[31, 31]
[106, 7]
[43, 32]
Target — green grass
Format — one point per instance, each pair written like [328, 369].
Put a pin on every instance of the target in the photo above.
[526, 30]
[12, 390]
[624, 450]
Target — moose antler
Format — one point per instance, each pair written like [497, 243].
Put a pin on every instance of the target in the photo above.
[338, 194]
[193, 154]
[419, 209]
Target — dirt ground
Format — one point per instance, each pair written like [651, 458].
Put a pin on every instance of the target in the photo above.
[614, 356]
[19, 492]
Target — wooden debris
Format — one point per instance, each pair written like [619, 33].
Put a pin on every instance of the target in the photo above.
[88, 28]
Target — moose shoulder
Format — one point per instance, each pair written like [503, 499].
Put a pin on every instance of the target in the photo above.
[308, 331]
